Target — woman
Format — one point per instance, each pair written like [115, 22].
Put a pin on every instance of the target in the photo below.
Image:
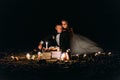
[79, 44]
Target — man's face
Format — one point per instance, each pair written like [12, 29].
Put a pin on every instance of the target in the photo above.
[40, 46]
[59, 28]
[64, 24]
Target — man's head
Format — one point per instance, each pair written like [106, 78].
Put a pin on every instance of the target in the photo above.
[40, 46]
[58, 28]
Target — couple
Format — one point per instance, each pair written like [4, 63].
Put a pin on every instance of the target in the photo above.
[65, 38]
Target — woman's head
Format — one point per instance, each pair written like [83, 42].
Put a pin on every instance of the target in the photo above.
[64, 24]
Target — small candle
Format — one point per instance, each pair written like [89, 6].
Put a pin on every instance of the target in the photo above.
[58, 48]
[96, 54]
[16, 58]
[109, 53]
[39, 55]
[84, 55]
[28, 56]
[12, 57]
[46, 44]
[99, 52]
[33, 57]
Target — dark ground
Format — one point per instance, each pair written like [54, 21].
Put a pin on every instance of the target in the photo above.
[101, 67]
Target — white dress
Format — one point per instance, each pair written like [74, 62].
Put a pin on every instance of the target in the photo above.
[81, 45]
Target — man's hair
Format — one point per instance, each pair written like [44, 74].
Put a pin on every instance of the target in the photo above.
[58, 25]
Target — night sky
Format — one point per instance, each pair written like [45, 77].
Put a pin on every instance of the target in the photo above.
[23, 23]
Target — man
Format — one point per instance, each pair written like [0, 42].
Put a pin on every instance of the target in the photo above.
[38, 49]
[60, 39]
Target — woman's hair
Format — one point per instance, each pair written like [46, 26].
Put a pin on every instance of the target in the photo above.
[68, 27]
[64, 20]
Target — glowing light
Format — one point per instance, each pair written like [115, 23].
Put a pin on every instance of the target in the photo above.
[109, 53]
[58, 48]
[12, 57]
[33, 57]
[99, 52]
[16, 58]
[64, 56]
[84, 55]
[28, 56]
[67, 56]
[96, 54]
[46, 44]
[68, 50]
[39, 55]
[77, 54]
[41, 42]
[58, 58]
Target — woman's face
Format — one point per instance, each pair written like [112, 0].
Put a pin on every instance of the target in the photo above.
[64, 24]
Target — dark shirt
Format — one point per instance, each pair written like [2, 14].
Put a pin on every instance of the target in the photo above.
[64, 40]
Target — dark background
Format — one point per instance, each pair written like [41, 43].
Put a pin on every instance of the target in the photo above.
[23, 23]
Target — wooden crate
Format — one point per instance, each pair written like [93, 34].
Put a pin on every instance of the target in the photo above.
[46, 55]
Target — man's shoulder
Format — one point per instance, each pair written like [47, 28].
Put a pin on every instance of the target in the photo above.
[65, 32]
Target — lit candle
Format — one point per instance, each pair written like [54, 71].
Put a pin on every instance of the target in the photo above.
[46, 44]
[39, 55]
[16, 58]
[28, 56]
[109, 53]
[67, 56]
[84, 55]
[12, 57]
[41, 42]
[58, 48]
[99, 52]
[33, 57]
[96, 54]
[63, 56]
